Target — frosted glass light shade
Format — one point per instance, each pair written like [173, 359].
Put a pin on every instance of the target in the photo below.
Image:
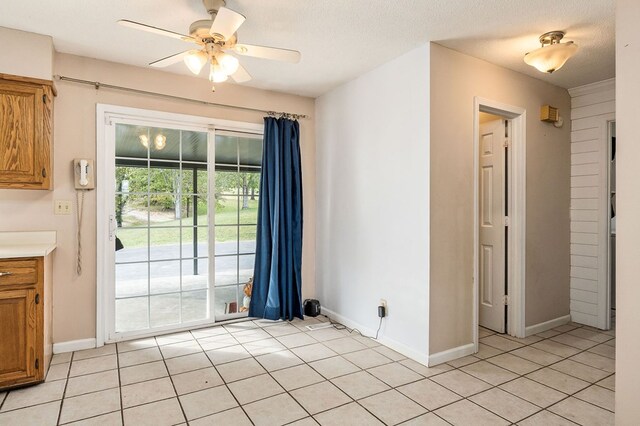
[229, 63]
[552, 57]
[195, 60]
[217, 74]
[144, 140]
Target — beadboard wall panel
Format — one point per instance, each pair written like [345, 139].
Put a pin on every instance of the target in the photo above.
[592, 107]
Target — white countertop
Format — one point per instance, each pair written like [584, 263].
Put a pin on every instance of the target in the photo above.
[27, 244]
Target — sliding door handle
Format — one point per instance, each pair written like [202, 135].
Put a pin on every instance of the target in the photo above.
[112, 228]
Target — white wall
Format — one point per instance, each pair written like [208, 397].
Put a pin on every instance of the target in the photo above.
[627, 212]
[372, 162]
[592, 107]
[26, 54]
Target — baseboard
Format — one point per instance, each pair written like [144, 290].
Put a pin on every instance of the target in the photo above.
[547, 325]
[74, 345]
[585, 319]
[390, 343]
[451, 354]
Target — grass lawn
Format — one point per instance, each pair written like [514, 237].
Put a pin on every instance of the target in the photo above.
[226, 214]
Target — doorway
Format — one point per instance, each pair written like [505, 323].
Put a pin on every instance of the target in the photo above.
[177, 218]
[611, 293]
[499, 217]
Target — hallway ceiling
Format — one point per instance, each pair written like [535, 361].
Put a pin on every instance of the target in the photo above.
[339, 39]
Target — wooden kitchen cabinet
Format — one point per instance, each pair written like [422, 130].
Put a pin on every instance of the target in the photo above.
[26, 132]
[25, 344]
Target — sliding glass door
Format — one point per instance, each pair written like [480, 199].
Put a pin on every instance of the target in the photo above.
[182, 225]
[161, 204]
[237, 170]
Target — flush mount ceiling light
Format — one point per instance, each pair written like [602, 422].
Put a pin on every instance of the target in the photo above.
[217, 39]
[144, 140]
[160, 141]
[553, 54]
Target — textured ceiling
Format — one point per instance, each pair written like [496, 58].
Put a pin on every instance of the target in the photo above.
[339, 39]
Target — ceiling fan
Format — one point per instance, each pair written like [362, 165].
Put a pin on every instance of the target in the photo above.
[216, 39]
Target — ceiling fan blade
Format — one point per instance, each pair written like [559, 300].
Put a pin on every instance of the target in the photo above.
[226, 23]
[274, 53]
[169, 60]
[155, 30]
[241, 75]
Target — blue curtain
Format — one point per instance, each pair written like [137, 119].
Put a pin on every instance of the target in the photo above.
[277, 275]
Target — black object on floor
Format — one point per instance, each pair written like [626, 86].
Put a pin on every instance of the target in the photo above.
[311, 307]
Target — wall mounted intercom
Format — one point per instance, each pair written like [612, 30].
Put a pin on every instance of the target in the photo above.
[84, 174]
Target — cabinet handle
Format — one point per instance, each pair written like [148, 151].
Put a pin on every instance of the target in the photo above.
[44, 173]
[5, 274]
[37, 298]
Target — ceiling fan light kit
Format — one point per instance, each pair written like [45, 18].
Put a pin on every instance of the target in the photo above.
[217, 38]
[229, 63]
[195, 60]
[553, 54]
[217, 74]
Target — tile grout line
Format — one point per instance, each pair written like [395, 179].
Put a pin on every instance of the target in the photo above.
[164, 362]
[524, 376]
[519, 376]
[119, 383]
[352, 400]
[360, 369]
[365, 370]
[310, 366]
[423, 378]
[224, 383]
[274, 379]
[64, 392]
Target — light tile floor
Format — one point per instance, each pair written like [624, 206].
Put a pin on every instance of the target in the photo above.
[270, 373]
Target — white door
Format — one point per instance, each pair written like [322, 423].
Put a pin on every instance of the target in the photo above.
[492, 225]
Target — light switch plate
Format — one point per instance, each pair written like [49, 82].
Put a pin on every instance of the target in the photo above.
[62, 207]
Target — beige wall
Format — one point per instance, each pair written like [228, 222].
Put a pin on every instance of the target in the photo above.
[26, 54]
[75, 136]
[455, 80]
[628, 212]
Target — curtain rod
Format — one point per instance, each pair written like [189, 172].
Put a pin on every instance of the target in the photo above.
[99, 85]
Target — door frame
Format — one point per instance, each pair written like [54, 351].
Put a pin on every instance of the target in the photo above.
[516, 182]
[105, 115]
[604, 230]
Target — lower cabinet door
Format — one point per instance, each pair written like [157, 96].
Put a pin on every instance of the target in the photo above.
[18, 320]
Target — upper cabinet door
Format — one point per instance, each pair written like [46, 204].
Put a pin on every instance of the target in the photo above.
[25, 134]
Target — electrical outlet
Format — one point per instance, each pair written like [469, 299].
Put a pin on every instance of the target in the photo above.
[62, 207]
[383, 302]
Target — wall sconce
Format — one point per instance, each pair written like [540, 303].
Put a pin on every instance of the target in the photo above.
[553, 54]
[551, 114]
